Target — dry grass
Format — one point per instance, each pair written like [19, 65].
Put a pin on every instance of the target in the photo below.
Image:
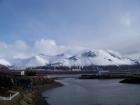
[15, 101]
[29, 97]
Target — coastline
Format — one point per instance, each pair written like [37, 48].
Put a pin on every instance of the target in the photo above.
[39, 99]
[33, 96]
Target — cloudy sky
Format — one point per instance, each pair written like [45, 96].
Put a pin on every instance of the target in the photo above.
[49, 26]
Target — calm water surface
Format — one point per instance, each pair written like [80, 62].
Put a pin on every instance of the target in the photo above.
[93, 92]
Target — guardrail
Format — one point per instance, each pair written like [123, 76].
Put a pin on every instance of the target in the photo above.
[10, 97]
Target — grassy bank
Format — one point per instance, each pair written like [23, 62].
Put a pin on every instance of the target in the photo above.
[33, 96]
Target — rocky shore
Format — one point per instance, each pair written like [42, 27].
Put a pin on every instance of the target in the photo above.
[131, 80]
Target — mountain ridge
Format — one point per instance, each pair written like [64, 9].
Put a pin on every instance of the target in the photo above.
[82, 58]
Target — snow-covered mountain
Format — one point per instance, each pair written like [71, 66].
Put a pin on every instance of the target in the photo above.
[4, 62]
[135, 56]
[83, 58]
[95, 57]
[29, 62]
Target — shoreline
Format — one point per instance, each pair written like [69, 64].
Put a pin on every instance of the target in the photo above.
[33, 96]
[39, 99]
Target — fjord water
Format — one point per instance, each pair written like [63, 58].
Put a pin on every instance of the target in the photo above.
[93, 92]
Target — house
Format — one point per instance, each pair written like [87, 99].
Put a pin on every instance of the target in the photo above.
[22, 73]
[18, 72]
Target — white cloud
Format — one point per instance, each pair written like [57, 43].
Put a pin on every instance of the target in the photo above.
[20, 45]
[17, 49]
[20, 49]
[46, 46]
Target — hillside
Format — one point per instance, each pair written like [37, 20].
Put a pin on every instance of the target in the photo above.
[82, 58]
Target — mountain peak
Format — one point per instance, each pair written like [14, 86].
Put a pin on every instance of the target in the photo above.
[83, 58]
[89, 54]
[74, 58]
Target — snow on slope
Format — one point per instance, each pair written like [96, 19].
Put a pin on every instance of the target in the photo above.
[134, 56]
[99, 57]
[89, 57]
[30, 62]
[4, 62]
[83, 58]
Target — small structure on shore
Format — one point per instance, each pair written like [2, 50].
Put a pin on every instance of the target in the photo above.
[18, 72]
[103, 72]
